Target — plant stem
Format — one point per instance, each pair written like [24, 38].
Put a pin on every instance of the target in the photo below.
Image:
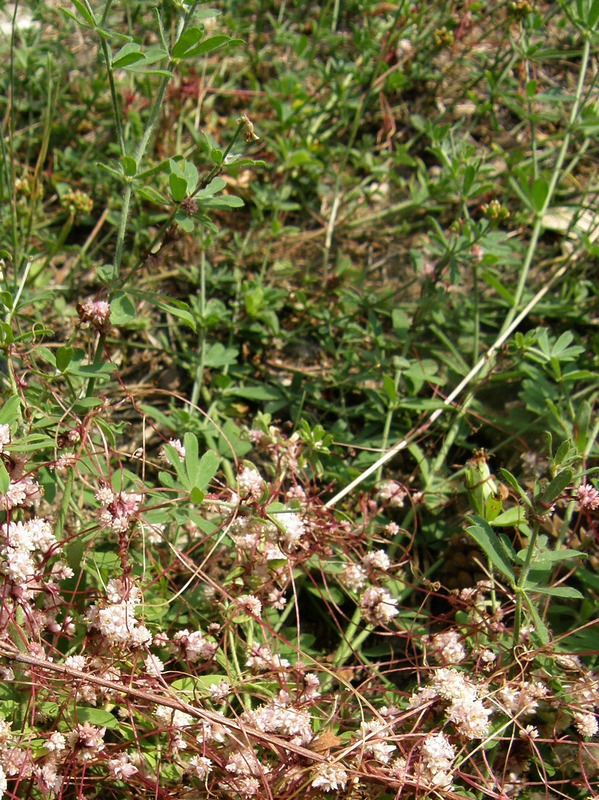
[520, 591]
[199, 376]
[91, 384]
[351, 639]
[64, 505]
[387, 427]
[555, 177]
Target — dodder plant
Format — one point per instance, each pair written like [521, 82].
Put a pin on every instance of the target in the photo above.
[176, 622]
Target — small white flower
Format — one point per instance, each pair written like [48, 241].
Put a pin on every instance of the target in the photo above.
[245, 763]
[76, 662]
[220, 691]
[178, 445]
[121, 767]
[173, 717]
[354, 577]
[378, 606]
[447, 647]
[154, 666]
[250, 604]
[437, 755]
[201, 766]
[250, 483]
[376, 746]
[392, 493]
[104, 495]
[586, 724]
[261, 659]
[294, 527]
[377, 560]
[330, 777]
[470, 717]
[4, 436]
[530, 732]
[56, 742]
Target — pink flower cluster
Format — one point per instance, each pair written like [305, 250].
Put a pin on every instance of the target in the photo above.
[194, 646]
[466, 708]
[22, 492]
[392, 493]
[118, 510]
[588, 497]
[95, 313]
[115, 617]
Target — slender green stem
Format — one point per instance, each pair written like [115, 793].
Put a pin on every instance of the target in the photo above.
[98, 354]
[387, 427]
[520, 591]
[64, 503]
[15, 304]
[199, 376]
[113, 95]
[476, 320]
[450, 437]
[144, 141]
[351, 639]
[555, 178]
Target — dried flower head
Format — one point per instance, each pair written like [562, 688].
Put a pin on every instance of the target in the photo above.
[392, 493]
[378, 606]
[95, 313]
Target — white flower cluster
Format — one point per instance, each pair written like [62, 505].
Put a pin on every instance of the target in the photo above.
[87, 741]
[447, 647]
[378, 606]
[95, 313]
[4, 436]
[392, 493]
[355, 577]
[584, 695]
[118, 510]
[115, 617]
[249, 604]
[586, 723]
[23, 547]
[437, 757]
[121, 767]
[330, 777]
[375, 735]
[246, 768]
[194, 645]
[466, 709]
[5, 738]
[265, 540]
[522, 700]
[376, 561]
[22, 492]
[211, 732]
[177, 444]
[262, 659]
[220, 691]
[200, 766]
[154, 665]
[294, 529]
[588, 497]
[250, 483]
[173, 717]
[312, 684]
[280, 717]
